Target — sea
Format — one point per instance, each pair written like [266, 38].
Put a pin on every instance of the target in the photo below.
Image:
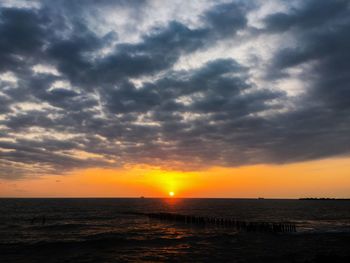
[110, 230]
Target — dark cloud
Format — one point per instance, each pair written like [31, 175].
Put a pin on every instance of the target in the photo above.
[4, 104]
[311, 14]
[129, 105]
[158, 50]
[321, 32]
[226, 19]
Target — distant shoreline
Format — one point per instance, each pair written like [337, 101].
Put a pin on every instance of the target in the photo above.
[324, 199]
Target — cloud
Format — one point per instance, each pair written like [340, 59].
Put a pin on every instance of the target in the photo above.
[310, 14]
[102, 100]
[320, 51]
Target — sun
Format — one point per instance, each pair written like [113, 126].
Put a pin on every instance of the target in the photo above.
[171, 194]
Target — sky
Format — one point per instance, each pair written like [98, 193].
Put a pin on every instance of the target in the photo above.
[202, 98]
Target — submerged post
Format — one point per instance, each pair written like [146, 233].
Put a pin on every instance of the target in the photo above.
[249, 226]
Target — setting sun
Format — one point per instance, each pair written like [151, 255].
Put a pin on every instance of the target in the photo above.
[171, 194]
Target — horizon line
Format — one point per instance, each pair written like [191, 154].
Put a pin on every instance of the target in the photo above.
[167, 197]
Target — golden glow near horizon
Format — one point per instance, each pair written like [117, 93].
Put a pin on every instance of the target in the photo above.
[329, 178]
[171, 194]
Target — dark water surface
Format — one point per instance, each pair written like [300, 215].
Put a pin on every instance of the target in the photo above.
[100, 230]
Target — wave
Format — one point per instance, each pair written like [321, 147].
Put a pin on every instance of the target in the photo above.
[100, 240]
[63, 226]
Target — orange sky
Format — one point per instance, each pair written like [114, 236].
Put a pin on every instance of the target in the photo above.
[323, 178]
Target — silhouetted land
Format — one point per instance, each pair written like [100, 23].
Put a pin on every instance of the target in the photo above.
[324, 199]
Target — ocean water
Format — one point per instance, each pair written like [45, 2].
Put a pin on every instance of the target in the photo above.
[102, 230]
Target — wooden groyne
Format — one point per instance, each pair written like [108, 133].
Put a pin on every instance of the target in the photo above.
[238, 225]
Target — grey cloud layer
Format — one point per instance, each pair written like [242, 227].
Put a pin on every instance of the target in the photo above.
[129, 105]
